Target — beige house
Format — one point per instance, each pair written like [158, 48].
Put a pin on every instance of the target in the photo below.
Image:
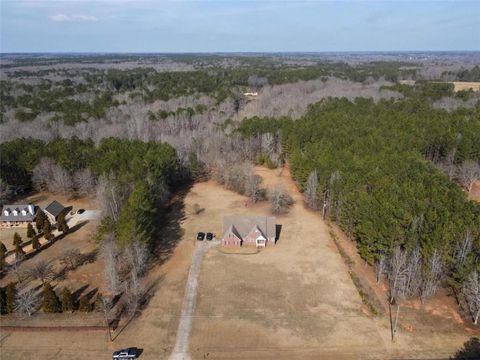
[53, 210]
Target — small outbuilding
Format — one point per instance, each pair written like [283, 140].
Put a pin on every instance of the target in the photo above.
[53, 210]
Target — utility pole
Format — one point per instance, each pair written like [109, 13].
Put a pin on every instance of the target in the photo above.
[393, 323]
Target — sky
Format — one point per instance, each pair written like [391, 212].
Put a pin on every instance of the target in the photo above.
[238, 26]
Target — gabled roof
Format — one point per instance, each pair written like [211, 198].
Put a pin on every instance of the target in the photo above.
[256, 228]
[245, 224]
[232, 230]
[19, 217]
[55, 208]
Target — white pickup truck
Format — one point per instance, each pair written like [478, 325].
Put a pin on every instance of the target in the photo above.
[124, 354]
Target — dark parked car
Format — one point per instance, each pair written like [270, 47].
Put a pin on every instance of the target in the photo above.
[200, 236]
[130, 353]
[209, 236]
[80, 211]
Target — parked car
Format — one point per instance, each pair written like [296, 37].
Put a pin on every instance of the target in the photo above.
[200, 236]
[130, 353]
[80, 211]
[209, 236]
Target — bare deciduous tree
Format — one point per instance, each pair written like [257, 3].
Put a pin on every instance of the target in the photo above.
[396, 272]
[432, 277]
[42, 270]
[463, 249]
[109, 255]
[253, 190]
[26, 302]
[137, 256]
[20, 272]
[133, 292]
[413, 274]
[71, 258]
[61, 181]
[471, 292]
[84, 182]
[42, 173]
[468, 173]
[311, 197]
[47, 175]
[280, 200]
[380, 268]
[111, 196]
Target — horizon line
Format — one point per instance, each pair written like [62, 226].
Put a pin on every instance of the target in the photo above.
[239, 52]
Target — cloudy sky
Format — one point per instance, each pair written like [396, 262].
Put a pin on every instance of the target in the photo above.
[234, 25]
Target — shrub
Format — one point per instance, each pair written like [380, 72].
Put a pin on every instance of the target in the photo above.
[67, 300]
[51, 303]
[11, 292]
[85, 305]
[36, 243]
[280, 200]
[30, 231]
[17, 239]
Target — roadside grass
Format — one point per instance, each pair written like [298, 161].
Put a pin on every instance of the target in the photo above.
[365, 293]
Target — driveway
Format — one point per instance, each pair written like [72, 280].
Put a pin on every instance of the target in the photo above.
[180, 351]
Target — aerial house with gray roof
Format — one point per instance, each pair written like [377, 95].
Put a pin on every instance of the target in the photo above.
[53, 210]
[258, 231]
[18, 215]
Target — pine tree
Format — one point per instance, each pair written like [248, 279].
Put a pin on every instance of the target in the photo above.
[47, 230]
[17, 239]
[50, 303]
[36, 243]
[10, 298]
[39, 220]
[19, 252]
[3, 301]
[99, 302]
[30, 231]
[3, 251]
[62, 224]
[84, 305]
[67, 300]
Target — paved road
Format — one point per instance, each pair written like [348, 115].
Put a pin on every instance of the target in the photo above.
[180, 351]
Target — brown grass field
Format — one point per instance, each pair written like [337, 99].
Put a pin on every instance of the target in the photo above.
[458, 85]
[294, 300]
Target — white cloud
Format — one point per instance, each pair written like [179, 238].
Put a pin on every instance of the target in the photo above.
[72, 18]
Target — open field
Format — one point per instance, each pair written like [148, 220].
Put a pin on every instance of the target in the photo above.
[294, 300]
[458, 85]
[462, 85]
[6, 236]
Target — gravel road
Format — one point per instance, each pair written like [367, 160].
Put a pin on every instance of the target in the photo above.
[180, 351]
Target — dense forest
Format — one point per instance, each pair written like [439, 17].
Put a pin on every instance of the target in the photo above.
[374, 169]
[384, 159]
[132, 178]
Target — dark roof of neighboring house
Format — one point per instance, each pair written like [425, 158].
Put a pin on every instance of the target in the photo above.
[55, 208]
[19, 207]
[243, 225]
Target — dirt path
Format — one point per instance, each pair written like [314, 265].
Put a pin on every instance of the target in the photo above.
[180, 352]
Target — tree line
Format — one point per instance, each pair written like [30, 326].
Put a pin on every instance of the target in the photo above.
[372, 169]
